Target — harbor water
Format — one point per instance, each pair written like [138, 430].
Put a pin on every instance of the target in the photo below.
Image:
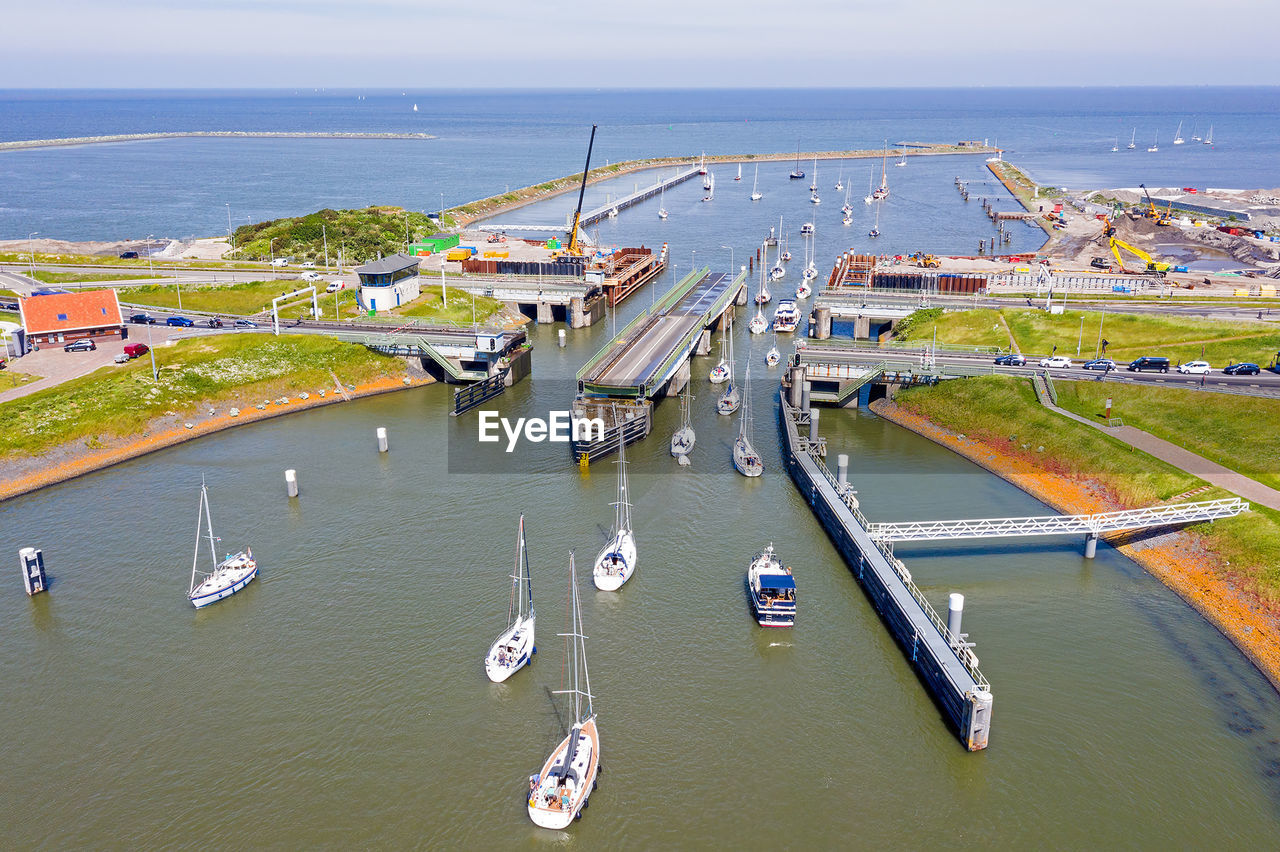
[340, 700]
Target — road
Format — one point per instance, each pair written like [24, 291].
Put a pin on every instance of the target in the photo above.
[13, 277]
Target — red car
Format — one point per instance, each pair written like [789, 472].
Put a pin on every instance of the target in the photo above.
[136, 350]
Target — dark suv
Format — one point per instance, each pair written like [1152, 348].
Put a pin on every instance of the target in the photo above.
[1148, 363]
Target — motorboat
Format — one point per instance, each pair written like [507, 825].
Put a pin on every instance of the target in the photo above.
[786, 317]
[772, 590]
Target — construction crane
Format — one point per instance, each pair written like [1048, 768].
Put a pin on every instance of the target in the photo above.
[572, 248]
[1151, 265]
[1152, 212]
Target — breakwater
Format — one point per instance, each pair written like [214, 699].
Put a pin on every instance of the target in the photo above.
[23, 144]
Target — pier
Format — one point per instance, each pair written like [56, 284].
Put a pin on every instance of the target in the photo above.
[602, 212]
[937, 650]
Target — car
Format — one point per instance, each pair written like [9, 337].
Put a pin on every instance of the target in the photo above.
[280, 261]
[1149, 363]
[214, 322]
[1242, 369]
[122, 358]
[1057, 361]
[85, 345]
[142, 319]
[310, 276]
[308, 264]
[243, 323]
[128, 255]
[335, 286]
[136, 350]
[179, 321]
[1106, 364]
[1195, 368]
[1013, 359]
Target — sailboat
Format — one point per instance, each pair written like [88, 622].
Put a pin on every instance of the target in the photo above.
[682, 439]
[662, 203]
[811, 266]
[762, 294]
[758, 323]
[739, 177]
[617, 560]
[846, 209]
[1195, 132]
[785, 257]
[796, 174]
[1116, 147]
[882, 191]
[728, 402]
[415, 107]
[870, 181]
[1208, 137]
[702, 166]
[813, 187]
[559, 792]
[840, 179]
[514, 647]
[720, 372]
[755, 193]
[778, 270]
[711, 186]
[1133, 140]
[875, 231]
[1155, 144]
[902, 160]
[1177, 135]
[225, 578]
[803, 290]
[773, 356]
[745, 458]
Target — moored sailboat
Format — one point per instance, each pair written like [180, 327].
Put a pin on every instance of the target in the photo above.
[729, 400]
[745, 458]
[720, 372]
[225, 578]
[683, 438]
[514, 648]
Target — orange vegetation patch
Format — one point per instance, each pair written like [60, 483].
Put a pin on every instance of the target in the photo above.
[1181, 560]
[81, 460]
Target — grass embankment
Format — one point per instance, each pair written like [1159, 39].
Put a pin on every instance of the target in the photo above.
[1003, 413]
[430, 306]
[49, 277]
[140, 264]
[1236, 431]
[364, 233]
[119, 401]
[249, 297]
[12, 378]
[1131, 335]
[8, 294]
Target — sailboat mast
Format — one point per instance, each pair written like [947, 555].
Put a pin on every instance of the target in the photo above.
[204, 498]
[195, 557]
[580, 676]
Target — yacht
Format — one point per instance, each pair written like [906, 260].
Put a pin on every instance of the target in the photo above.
[772, 590]
[514, 648]
[786, 317]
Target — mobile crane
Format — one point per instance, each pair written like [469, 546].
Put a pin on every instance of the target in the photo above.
[1152, 212]
[572, 248]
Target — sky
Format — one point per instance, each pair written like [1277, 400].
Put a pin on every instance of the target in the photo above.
[650, 44]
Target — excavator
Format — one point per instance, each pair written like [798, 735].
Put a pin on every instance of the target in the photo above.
[572, 249]
[1152, 266]
[1151, 211]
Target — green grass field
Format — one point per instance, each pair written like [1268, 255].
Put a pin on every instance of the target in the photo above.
[429, 306]
[249, 297]
[1130, 335]
[49, 277]
[995, 407]
[120, 400]
[9, 294]
[1240, 432]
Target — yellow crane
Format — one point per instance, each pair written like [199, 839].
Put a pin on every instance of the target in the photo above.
[572, 248]
[1151, 265]
[1153, 213]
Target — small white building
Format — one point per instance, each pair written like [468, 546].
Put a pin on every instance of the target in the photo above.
[389, 282]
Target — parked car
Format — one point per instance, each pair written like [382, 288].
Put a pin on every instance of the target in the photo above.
[128, 255]
[310, 276]
[335, 286]
[179, 321]
[1058, 361]
[1099, 364]
[142, 319]
[308, 264]
[136, 350]
[1195, 368]
[1149, 363]
[242, 323]
[122, 358]
[280, 261]
[1242, 369]
[85, 345]
[1013, 359]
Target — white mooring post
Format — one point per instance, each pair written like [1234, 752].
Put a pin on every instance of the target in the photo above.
[955, 610]
[813, 425]
[1090, 545]
[33, 570]
[842, 470]
[382, 439]
[291, 482]
[561, 336]
[805, 390]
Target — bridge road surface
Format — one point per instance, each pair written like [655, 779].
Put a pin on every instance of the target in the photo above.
[640, 358]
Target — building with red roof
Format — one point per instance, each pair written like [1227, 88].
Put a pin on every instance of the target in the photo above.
[63, 317]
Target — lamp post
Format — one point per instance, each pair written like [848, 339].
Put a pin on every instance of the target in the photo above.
[32, 250]
[1098, 351]
[692, 254]
[231, 235]
[730, 248]
[271, 250]
[155, 373]
[1080, 337]
[151, 267]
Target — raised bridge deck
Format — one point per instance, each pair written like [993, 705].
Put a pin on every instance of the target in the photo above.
[645, 355]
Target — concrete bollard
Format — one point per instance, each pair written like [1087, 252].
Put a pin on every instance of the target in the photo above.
[797, 380]
[955, 610]
[806, 389]
[33, 577]
[842, 470]
[813, 425]
[822, 322]
[561, 335]
[291, 482]
[382, 439]
[1090, 545]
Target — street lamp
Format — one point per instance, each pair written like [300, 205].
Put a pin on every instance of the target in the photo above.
[730, 248]
[271, 250]
[155, 374]
[150, 266]
[691, 256]
[31, 247]
[231, 235]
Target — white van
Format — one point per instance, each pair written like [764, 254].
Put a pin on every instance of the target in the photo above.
[280, 261]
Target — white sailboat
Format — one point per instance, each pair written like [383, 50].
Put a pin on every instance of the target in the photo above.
[773, 356]
[683, 438]
[875, 231]
[803, 290]
[415, 107]
[720, 372]
[846, 209]
[224, 578]
[882, 191]
[1155, 144]
[514, 648]
[1208, 137]
[617, 560]
[758, 323]
[559, 792]
[1177, 135]
[729, 400]
[813, 187]
[739, 177]
[1133, 140]
[1116, 147]
[870, 193]
[902, 160]
[840, 179]
[662, 203]
[1195, 132]
[778, 270]
[811, 265]
[745, 458]
[711, 186]
[755, 182]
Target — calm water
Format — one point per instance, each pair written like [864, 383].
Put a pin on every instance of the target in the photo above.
[490, 140]
[340, 700]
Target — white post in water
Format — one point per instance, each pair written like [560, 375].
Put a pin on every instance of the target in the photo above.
[32, 570]
[382, 439]
[291, 482]
[813, 425]
[805, 390]
[561, 335]
[1091, 545]
[955, 609]
[842, 470]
